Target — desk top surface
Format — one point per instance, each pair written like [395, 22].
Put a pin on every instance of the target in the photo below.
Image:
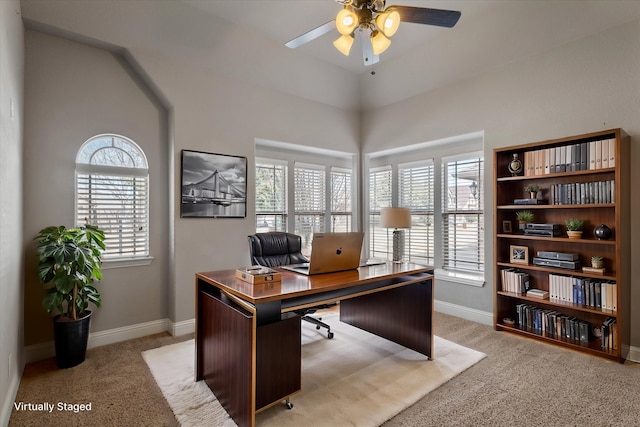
[293, 284]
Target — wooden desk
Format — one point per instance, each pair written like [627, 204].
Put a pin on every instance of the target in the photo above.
[248, 338]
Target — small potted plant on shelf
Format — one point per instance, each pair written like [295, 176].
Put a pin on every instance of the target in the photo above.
[532, 189]
[574, 227]
[597, 261]
[69, 262]
[523, 217]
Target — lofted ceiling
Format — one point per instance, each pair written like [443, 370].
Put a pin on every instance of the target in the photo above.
[249, 35]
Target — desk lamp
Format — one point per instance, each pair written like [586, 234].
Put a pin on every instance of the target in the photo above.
[396, 218]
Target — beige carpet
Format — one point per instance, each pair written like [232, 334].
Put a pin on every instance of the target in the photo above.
[354, 379]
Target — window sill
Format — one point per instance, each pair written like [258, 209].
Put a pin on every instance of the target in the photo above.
[460, 277]
[126, 262]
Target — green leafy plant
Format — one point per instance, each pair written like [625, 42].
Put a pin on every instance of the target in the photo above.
[69, 259]
[574, 224]
[596, 258]
[524, 216]
[532, 188]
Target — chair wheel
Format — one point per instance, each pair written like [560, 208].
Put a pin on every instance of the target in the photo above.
[289, 405]
[330, 335]
[318, 327]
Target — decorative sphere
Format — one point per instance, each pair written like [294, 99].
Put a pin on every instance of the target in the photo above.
[602, 232]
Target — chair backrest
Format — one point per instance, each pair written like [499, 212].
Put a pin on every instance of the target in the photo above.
[275, 248]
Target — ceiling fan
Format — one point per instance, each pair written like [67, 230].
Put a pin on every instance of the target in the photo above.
[374, 24]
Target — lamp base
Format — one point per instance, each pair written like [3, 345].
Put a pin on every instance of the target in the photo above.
[398, 245]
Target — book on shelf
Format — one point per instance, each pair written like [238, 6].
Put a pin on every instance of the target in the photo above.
[575, 157]
[258, 274]
[529, 202]
[593, 270]
[538, 293]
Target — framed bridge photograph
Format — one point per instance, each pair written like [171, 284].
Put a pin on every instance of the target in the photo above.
[213, 185]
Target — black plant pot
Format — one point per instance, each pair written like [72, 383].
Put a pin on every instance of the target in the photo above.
[71, 338]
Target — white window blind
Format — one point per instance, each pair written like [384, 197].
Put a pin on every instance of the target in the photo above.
[112, 193]
[309, 182]
[463, 214]
[380, 196]
[271, 196]
[416, 192]
[341, 211]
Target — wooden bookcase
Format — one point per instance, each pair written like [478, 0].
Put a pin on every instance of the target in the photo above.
[574, 185]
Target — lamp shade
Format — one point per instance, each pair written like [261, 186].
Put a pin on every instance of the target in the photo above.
[395, 218]
[346, 21]
[343, 44]
[379, 42]
[388, 22]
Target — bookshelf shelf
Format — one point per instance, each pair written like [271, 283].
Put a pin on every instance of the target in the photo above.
[592, 347]
[593, 187]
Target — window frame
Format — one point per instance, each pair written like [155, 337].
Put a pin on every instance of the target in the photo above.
[324, 159]
[436, 150]
[89, 171]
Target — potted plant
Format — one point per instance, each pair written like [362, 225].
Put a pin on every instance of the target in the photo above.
[69, 262]
[532, 189]
[597, 261]
[574, 228]
[523, 217]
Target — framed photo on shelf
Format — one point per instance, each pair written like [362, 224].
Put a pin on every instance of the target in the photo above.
[213, 185]
[506, 227]
[518, 254]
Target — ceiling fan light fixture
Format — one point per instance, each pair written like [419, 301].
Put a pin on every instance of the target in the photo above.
[388, 22]
[379, 42]
[346, 21]
[343, 44]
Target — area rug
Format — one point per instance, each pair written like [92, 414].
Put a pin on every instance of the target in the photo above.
[356, 379]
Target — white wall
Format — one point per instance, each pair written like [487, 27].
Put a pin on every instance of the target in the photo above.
[72, 93]
[589, 85]
[11, 119]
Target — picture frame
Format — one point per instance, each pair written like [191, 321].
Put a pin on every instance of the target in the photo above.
[518, 254]
[212, 185]
[506, 227]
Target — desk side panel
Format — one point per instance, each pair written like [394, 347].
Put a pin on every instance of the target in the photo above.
[403, 315]
[226, 348]
[278, 361]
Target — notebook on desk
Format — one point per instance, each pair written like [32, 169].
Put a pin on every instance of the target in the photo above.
[331, 252]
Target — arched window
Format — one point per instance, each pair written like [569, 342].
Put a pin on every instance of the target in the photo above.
[112, 182]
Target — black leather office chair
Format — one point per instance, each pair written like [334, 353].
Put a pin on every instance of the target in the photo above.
[278, 248]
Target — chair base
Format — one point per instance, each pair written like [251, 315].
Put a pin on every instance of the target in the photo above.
[305, 315]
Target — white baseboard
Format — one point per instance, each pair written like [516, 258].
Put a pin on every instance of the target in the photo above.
[478, 316]
[47, 349]
[633, 353]
[183, 328]
[7, 404]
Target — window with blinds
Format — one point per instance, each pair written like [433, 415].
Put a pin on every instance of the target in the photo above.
[463, 214]
[309, 203]
[340, 200]
[416, 192]
[112, 193]
[380, 196]
[271, 196]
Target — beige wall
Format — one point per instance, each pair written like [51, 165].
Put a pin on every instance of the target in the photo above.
[586, 86]
[11, 254]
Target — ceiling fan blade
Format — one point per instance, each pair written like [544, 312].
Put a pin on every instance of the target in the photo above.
[424, 15]
[311, 35]
[367, 50]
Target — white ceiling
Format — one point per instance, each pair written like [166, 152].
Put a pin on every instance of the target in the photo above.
[250, 36]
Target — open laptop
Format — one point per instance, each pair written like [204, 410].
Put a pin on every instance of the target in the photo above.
[331, 252]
